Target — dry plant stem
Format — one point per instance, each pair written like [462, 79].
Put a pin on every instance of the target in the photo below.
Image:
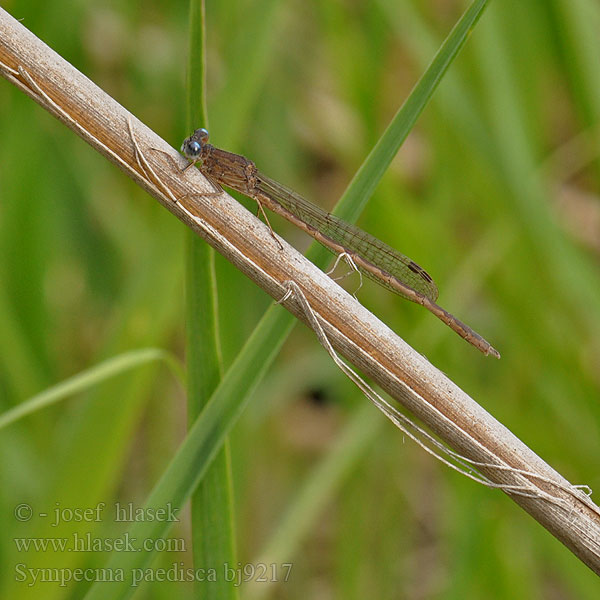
[354, 332]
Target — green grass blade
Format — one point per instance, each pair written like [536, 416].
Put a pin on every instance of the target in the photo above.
[88, 379]
[211, 505]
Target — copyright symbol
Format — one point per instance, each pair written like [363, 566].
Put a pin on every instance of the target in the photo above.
[23, 512]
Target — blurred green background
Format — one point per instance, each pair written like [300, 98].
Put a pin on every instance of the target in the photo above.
[495, 193]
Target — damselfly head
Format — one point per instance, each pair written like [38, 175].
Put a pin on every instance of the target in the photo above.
[192, 146]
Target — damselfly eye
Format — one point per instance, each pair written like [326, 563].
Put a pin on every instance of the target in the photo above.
[191, 149]
[202, 134]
